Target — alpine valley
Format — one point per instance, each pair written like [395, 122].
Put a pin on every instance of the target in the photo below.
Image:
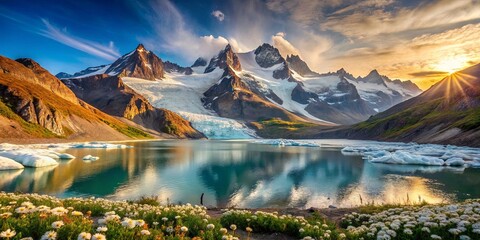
[255, 94]
[236, 95]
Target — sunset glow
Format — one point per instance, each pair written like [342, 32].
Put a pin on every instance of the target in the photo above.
[452, 65]
[423, 41]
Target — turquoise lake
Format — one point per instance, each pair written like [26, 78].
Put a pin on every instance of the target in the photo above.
[242, 174]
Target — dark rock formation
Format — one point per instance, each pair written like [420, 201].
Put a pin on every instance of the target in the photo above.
[173, 67]
[226, 58]
[268, 56]
[299, 66]
[234, 99]
[200, 62]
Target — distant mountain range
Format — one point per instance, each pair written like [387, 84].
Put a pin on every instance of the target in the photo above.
[255, 86]
[231, 95]
[447, 113]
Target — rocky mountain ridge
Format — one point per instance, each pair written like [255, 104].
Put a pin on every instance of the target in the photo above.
[35, 104]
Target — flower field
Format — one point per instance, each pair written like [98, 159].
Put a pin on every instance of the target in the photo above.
[32, 216]
[453, 221]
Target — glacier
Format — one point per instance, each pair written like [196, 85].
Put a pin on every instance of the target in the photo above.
[182, 94]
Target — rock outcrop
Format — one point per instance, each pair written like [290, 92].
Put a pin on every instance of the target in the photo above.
[175, 68]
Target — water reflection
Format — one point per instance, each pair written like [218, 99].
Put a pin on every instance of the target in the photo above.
[242, 174]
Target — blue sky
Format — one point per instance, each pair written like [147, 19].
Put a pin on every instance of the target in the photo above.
[419, 40]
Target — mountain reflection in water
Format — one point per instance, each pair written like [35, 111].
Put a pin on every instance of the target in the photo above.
[242, 174]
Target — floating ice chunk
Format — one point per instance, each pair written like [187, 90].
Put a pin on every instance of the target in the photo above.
[29, 158]
[287, 142]
[418, 154]
[380, 157]
[474, 164]
[9, 164]
[98, 145]
[456, 154]
[354, 151]
[65, 156]
[455, 161]
[90, 158]
[403, 157]
[410, 158]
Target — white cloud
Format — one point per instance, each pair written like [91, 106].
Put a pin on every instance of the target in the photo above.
[284, 47]
[361, 21]
[174, 35]
[218, 15]
[106, 52]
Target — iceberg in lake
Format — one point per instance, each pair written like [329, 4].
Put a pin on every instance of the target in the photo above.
[9, 164]
[90, 158]
[42, 155]
[288, 142]
[416, 154]
[29, 158]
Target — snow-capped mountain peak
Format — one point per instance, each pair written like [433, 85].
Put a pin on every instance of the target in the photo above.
[226, 58]
[200, 62]
[299, 66]
[373, 77]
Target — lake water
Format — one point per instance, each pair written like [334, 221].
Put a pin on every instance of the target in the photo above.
[242, 174]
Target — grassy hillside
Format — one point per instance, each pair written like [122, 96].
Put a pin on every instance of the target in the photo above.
[18, 89]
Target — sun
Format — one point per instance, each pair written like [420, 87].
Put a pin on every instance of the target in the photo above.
[452, 64]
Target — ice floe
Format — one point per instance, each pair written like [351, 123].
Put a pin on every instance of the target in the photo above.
[9, 164]
[29, 158]
[42, 155]
[450, 156]
[416, 154]
[89, 145]
[90, 158]
[288, 142]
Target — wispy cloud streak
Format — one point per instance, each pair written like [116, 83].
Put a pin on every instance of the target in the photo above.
[108, 52]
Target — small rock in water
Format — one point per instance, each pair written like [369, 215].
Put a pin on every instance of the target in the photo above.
[331, 206]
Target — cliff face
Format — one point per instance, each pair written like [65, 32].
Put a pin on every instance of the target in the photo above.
[42, 106]
[111, 95]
